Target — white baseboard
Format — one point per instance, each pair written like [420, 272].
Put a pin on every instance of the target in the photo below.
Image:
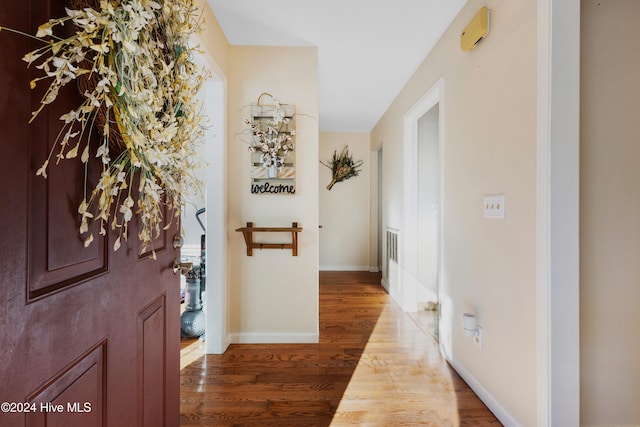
[344, 268]
[374, 270]
[274, 338]
[611, 425]
[385, 284]
[494, 406]
[225, 345]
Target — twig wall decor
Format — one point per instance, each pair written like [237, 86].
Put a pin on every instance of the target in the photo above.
[342, 166]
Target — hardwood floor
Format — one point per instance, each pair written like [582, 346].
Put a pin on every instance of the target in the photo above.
[373, 367]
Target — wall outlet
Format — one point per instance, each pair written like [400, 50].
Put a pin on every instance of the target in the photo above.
[477, 340]
[494, 206]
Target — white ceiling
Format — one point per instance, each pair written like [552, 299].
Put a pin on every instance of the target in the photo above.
[367, 49]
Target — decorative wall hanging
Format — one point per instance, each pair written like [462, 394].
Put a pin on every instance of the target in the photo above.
[272, 146]
[342, 166]
[135, 70]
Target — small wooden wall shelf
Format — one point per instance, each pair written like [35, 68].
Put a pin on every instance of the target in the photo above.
[248, 231]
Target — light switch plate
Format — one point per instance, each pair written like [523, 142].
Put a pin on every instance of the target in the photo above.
[494, 206]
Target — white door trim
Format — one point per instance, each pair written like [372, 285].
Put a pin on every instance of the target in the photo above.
[217, 337]
[557, 230]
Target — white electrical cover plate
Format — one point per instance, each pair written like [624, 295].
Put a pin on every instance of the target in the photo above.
[494, 206]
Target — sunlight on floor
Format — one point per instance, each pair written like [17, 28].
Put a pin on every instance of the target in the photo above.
[427, 321]
[190, 351]
[400, 374]
[374, 366]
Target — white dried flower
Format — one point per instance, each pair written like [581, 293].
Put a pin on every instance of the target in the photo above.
[145, 81]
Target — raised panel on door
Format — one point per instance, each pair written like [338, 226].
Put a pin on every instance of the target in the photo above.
[70, 316]
[58, 257]
[151, 358]
[75, 395]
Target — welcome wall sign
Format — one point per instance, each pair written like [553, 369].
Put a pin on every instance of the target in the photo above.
[272, 147]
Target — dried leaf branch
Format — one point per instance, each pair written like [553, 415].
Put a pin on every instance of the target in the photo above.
[342, 166]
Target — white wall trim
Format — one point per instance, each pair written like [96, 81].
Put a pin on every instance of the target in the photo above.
[494, 406]
[216, 214]
[373, 209]
[345, 268]
[610, 425]
[557, 216]
[274, 338]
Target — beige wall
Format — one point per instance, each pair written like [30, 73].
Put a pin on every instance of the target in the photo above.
[345, 210]
[610, 213]
[273, 296]
[489, 113]
[213, 37]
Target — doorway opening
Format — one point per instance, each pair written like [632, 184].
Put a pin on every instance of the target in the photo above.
[205, 212]
[421, 245]
[428, 220]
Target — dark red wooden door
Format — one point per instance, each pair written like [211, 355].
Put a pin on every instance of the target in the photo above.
[88, 336]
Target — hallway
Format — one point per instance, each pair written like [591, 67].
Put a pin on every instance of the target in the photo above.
[373, 366]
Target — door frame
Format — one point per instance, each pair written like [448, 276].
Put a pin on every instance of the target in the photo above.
[558, 213]
[216, 329]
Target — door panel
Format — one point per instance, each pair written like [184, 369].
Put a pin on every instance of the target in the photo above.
[60, 260]
[76, 394]
[77, 325]
[62, 255]
[152, 343]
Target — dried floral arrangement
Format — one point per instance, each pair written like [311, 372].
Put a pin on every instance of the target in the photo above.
[342, 166]
[133, 64]
[271, 137]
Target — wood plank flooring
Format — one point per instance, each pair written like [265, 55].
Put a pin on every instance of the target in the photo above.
[373, 367]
